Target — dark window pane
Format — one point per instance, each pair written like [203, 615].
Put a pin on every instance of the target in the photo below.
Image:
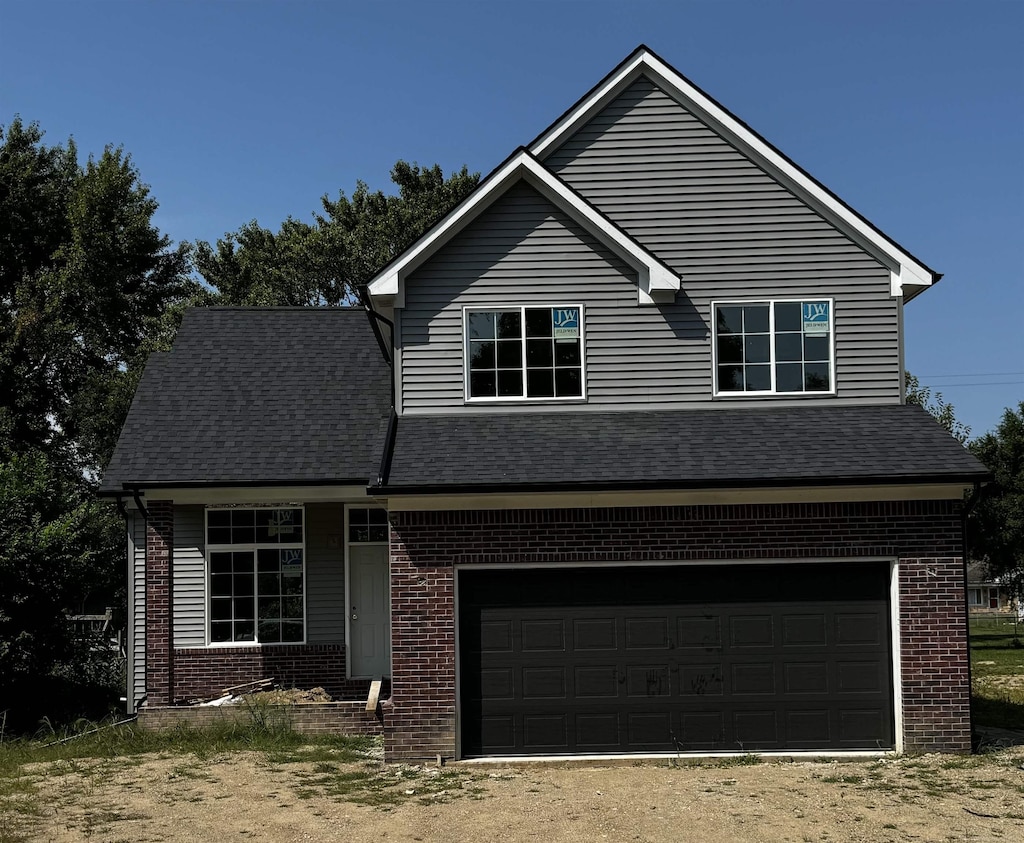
[787, 316]
[245, 631]
[296, 516]
[244, 585]
[538, 322]
[730, 378]
[510, 382]
[538, 352]
[358, 533]
[243, 517]
[291, 607]
[358, 516]
[220, 585]
[242, 607]
[730, 320]
[219, 535]
[509, 325]
[220, 610]
[758, 378]
[481, 325]
[567, 353]
[816, 377]
[540, 383]
[270, 607]
[730, 349]
[378, 533]
[481, 385]
[218, 518]
[755, 319]
[263, 517]
[220, 563]
[788, 347]
[270, 632]
[243, 535]
[291, 584]
[268, 560]
[220, 632]
[757, 349]
[270, 583]
[510, 354]
[291, 631]
[242, 561]
[789, 377]
[816, 348]
[568, 383]
[376, 516]
[481, 354]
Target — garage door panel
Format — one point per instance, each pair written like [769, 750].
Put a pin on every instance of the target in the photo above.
[627, 660]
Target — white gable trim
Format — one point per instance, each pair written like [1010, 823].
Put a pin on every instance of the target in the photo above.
[657, 282]
[908, 275]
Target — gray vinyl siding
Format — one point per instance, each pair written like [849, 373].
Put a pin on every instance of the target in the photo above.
[325, 573]
[136, 684]
[189, 566]
[729, 229]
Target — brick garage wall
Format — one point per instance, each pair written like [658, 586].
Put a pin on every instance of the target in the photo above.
[335, 718]
[924, 535]
[200, 673]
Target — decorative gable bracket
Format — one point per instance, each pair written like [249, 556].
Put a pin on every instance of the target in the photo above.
[657, 282]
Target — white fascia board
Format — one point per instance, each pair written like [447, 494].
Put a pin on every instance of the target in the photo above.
[657, 282]
[905, 270]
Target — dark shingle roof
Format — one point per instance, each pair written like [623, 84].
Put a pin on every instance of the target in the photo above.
[258, 395]
[681, 449]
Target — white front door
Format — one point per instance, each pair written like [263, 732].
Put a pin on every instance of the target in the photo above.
[369, 608]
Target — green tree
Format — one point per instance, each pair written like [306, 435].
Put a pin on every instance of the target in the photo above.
[937, 406]
[326, 262]
[88, 285]
[998, 513]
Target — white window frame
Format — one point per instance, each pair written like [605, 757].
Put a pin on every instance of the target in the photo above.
[254, 547]
[772, 363]
[524, 398]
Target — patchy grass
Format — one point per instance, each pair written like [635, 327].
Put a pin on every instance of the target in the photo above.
[997, 668]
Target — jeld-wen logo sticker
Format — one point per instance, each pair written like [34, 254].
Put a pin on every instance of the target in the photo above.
[816, 317]
[565, 322]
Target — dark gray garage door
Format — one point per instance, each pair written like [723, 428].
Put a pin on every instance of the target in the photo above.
[656, 659]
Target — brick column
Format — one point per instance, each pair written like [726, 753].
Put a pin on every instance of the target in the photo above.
[934, 655]
[159, 607]
[420, 718]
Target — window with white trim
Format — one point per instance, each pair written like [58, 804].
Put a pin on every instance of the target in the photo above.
[782, 347]
[256, 579]
[524, 353]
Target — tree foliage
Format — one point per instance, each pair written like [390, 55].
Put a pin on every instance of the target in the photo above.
[88, 285]
[327, 261]
[998, 513]
[943, 412]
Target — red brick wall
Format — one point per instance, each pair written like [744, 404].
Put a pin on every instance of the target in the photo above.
[348, 718]
[159, 626]
[200, 673]
[425, 546]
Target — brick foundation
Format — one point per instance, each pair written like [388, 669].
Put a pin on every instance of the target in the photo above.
[334, 718]
[925, 536]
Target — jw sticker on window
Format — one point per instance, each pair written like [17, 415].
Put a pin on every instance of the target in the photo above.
[816, 317]
[565, 323]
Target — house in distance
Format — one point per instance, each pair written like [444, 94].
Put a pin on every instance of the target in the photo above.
[616, 460]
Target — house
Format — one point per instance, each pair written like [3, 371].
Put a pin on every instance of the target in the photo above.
[616, 460]
[986, 593]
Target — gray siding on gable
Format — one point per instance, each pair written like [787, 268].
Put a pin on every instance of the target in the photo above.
[189, 585]
[731, 230]
[325, 573]
[136, 684]
[728, 228]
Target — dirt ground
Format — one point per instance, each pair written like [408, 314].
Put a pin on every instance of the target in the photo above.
[308, 796]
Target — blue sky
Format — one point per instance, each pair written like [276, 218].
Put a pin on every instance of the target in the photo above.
[913, 112]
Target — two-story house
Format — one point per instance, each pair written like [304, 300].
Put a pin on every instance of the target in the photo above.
[616, 460]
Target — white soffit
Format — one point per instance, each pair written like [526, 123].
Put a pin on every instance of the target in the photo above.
[657, 282]
[907, 275]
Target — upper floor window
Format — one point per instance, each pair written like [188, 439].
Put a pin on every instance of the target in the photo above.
[524, 353]
[774, 347]
[256, 575]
